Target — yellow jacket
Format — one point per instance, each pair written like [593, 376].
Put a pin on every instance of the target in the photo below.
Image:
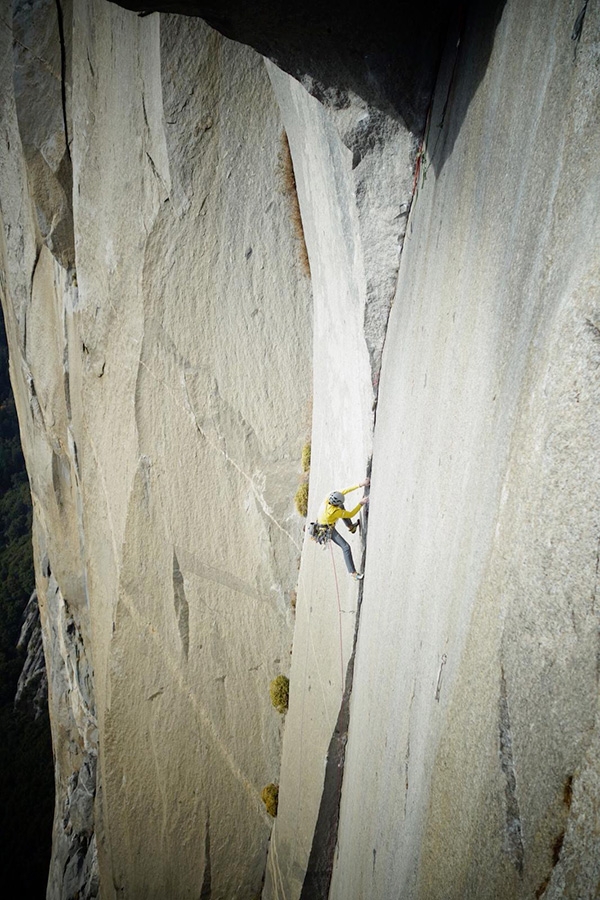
[329, 514]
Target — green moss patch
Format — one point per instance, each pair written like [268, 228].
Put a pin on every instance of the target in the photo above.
[270, 797]
[279, 690]
[301, 499]
[306, 458]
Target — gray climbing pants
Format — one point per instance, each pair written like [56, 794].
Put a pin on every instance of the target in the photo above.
[339, 540]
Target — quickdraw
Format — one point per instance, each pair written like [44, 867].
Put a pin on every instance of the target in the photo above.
[321, 534]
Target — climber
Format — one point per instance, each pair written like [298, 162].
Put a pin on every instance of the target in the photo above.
[333, 509]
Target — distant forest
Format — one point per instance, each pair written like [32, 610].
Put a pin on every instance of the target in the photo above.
[26, 765]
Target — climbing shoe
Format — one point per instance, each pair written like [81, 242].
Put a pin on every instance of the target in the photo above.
[352, 528]
[358, 576]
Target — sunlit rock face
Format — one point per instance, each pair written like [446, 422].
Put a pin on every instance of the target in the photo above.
[160, 327]
[177, 216]
[33, 675]
[206, 263]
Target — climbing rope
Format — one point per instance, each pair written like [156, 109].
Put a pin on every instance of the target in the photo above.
[337, 590]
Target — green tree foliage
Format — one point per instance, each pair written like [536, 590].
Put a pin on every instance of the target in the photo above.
[26, 766]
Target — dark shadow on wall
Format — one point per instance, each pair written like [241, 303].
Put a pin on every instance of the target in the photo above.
[464, 62]
[26, 762]
[388, 55]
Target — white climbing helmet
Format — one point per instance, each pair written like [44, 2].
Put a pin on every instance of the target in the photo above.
[336, 498]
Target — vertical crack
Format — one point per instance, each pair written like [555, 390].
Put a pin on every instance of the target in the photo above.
[514, 835]
[182, 610]
[578, 26]
[319, 870]
[63, 73]
[595, 612]
[206, 890]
